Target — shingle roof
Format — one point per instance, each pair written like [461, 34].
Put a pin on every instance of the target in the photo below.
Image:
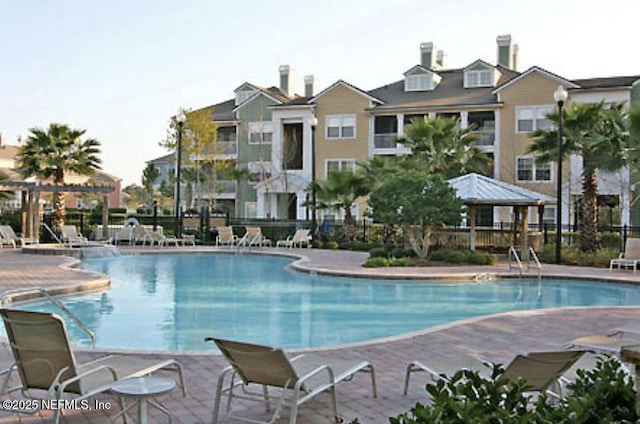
[476, 189]
[607, 82]
[449, 92]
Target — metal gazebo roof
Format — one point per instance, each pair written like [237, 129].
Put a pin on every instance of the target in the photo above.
[476, 189]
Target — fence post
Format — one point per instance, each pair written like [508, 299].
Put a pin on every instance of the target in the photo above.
[624, 237]
[155, 215]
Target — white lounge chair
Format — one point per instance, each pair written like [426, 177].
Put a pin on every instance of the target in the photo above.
[47, 367]
[253, 237]
[225, 236]
[9, 237]
[541, 370]
[629, 258]
[298, 379]
[70, 235]
[299, 239]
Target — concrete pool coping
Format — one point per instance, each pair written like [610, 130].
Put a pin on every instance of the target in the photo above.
[493, 338]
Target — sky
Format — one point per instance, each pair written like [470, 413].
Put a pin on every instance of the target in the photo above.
[121, 68]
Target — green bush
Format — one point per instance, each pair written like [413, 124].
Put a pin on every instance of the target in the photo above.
[401, 262]
[473, 257]
[377, 262]
[602, 395]
[318, 244]
[378, 252]
[331, 244]
[572, 255]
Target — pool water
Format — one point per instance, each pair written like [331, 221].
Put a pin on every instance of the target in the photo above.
[173, 301]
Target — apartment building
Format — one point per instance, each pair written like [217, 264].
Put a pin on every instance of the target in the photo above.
[284, 140]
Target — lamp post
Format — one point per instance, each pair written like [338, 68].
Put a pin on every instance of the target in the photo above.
[313, 123]
[560, 96]
[180, 118]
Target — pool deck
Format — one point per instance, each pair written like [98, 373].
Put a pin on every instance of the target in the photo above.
[494, 338]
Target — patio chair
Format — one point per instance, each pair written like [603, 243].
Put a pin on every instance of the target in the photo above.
[253, 237]
[299, 239]
[298, 379]
[541, 370]
[10, 237]
[612, 343]
[630, 257]
[69, 234]
[47, 367]
[226, 236]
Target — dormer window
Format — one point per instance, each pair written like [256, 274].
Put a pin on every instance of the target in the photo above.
[420, 79]
[480, 74]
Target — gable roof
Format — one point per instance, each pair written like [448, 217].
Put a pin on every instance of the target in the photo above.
[450, 92]
[342, 83]
[476, 189]
[531, 70]
[608, 82]
[478, 62]
[423, 69]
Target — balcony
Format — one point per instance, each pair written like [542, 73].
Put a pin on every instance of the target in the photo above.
[385, 141]
[227, 148]
[485, 137]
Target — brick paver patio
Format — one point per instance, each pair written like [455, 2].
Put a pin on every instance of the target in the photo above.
[494, 338]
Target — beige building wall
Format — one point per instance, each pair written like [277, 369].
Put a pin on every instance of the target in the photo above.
[342, 100]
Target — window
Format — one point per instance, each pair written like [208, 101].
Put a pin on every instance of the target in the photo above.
[527, 170]
[479, 78]
[260, 132]
[531, 118]
[334, 165]
[549, 215]
[419, 82]
[341, 126]
[251, 209]
[259, 171]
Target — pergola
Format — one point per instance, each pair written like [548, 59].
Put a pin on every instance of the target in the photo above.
[477, 190]
[30, 194]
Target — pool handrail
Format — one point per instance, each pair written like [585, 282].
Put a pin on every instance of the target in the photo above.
[7, 295]
[514, 253]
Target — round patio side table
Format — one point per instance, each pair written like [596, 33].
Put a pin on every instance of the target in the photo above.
[142, 390]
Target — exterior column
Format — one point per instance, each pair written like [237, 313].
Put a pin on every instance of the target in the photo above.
[473, 212]
[24, 213]
[524, 237]
[35, 214]
[105, 217]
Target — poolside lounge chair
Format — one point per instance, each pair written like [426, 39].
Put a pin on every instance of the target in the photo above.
[226, 236]
[9, 236]
[253, 237]
[70, 235]
[156, 237]
[47, 366]
[540, 369]
[299, 239]
[299, 379]
[630, 257]
[612, 343]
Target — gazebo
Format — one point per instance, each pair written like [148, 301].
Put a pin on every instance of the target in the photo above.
[31, 200]
[477, 190]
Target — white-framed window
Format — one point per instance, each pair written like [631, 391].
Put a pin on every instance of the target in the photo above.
[528, 171]
[340, 126]
[334, 165]
[531, 118]
[260, 132]
[251, 209]
[478, 78]
[259, 171]
[549, 215]
[418, 82]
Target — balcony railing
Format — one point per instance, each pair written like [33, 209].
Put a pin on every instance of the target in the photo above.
[485, 137]
[385, 141]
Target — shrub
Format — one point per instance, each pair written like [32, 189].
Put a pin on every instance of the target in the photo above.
[331, 244]
[574, 256]
[378, 252]
[473, 257]
[317, 244]
[401, 262]
[377, 262]
[602, 395]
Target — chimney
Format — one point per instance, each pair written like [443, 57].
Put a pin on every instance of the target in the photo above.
[309, 86]
[427, 56]
[286, 79]
[441, 59]
[507, 52]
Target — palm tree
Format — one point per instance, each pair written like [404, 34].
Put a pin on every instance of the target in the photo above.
[339, 192]
[440, 146]
[598, 133]
[52, 152]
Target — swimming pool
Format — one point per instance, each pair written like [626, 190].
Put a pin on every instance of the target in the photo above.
[171, 302]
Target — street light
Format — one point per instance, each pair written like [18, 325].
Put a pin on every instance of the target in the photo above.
[313, 123]
[560, 96]
[180, 118]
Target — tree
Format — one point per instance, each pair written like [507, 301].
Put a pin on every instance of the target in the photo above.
[52, 152]
[339, 191]
[440, 146]
[598, 133]
[149, 176]
[419, 202]
[136, 195]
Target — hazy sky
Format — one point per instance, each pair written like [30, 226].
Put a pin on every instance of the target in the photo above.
[121, 68]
